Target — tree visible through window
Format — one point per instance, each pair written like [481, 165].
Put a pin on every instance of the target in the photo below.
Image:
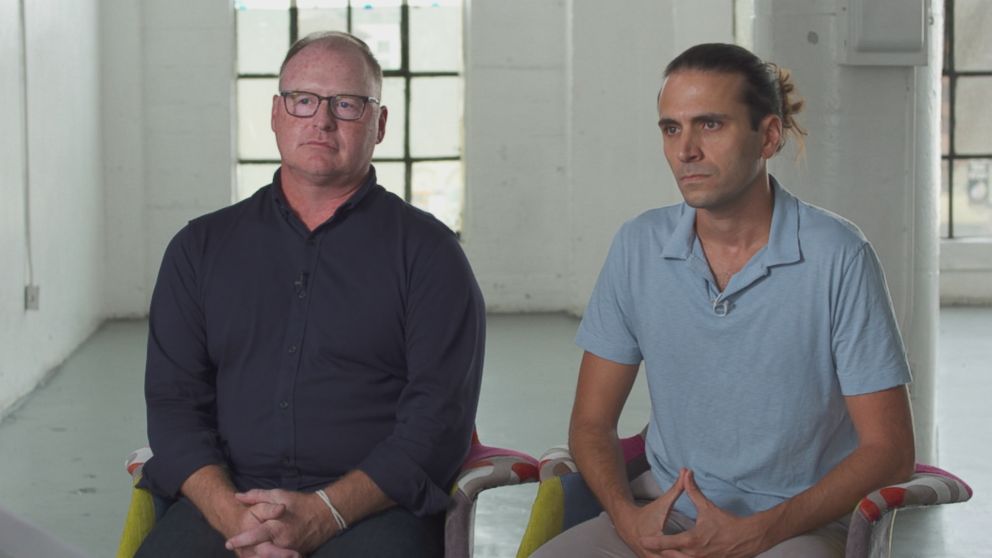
[966, 122]
[418, 43]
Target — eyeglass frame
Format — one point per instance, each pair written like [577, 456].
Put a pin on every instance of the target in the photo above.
[366, 99]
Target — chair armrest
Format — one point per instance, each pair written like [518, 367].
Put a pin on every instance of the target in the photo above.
[488, 467]
[484, 468]
[136, 460]
[929, 486]
[872, 522]
[558, 461]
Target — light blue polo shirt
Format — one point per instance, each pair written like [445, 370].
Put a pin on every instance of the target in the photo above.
[747, 386]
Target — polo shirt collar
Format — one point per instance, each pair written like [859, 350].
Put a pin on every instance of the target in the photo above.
[783, 237]
[280, 198]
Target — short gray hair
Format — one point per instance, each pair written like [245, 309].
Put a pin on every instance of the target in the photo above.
[334, 40]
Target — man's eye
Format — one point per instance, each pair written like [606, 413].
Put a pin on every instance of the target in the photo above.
[711, 125]
[303, 101]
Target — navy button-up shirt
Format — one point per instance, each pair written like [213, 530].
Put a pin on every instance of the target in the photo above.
[291, 357]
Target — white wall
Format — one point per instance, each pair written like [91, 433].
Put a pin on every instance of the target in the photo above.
[169, 119]
[551, 175]
[62, 227]
[966, 271]
[123, 110]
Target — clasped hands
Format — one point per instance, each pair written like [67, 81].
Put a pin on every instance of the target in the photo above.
[280, 524]
[717, 533]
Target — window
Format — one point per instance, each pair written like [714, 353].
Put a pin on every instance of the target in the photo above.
[419, 45]
[966, 120]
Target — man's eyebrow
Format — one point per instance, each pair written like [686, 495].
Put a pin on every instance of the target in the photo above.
[704, 117]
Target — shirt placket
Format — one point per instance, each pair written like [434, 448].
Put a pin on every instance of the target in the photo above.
[292, 361]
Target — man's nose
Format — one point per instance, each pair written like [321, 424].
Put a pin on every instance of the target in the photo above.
[689, 147]
[325, 119]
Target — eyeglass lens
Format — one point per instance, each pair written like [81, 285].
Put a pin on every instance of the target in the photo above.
[345, 107]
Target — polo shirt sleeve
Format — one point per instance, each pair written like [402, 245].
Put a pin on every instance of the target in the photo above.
[605, 330]
[179, 376]
[445, 343]
[867, 348]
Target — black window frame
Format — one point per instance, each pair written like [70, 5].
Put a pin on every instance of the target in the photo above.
[950, 72]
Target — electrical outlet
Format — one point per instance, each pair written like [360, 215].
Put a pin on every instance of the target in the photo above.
[31, 296]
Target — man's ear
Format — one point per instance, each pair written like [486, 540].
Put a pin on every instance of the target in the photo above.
[383, 116]
[771, 136]
[275, 108]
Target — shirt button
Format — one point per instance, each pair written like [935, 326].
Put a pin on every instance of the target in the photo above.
[284, 404]
[292, 348]
[285, 461]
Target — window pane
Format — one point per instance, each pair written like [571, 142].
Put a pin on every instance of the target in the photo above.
[263, 38]
[378, 24]
[973, 119]
[436, 36]
[392, 177]
[973, 42]
[251, 177]
[437, 188]
[944, 207]
[393, 91]
[436, 116]
[945, 116]
[972, 202]
[255, 138]
[321, 15]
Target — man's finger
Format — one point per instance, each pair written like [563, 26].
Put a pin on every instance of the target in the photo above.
[269, 550]
[673, 492]
[250, 537]
[696, 495]
[265, 511]
[256, 496]
[658, 543]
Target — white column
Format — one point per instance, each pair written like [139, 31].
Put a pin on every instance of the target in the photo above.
[872, 155]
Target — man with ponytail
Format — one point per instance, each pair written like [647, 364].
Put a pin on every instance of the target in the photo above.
[775, 368]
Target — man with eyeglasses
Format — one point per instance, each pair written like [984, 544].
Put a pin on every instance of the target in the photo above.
[315, 352]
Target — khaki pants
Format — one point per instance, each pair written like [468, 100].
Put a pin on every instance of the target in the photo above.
[597, 538]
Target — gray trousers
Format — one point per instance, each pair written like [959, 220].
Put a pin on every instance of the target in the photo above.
[597, 538]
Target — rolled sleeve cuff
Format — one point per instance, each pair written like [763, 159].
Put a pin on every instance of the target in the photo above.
[604, 349]
[875, 382]
[165, 476]
[404, 481]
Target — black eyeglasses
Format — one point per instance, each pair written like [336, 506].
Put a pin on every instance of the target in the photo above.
[303, 104]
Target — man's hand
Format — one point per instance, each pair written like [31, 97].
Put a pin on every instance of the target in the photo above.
[717, 533]
[640, 523]
[247, 519]
[302, 524]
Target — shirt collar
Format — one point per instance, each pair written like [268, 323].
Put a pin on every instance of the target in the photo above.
[353, 201]
[783, 237]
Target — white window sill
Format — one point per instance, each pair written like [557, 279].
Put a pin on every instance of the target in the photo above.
[966, 254]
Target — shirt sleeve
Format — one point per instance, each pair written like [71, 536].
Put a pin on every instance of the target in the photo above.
[179, 376]
[445, 344]
[868, 350]
[605, 330]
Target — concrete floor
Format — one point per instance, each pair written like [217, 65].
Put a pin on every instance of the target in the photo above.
[61, 453]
